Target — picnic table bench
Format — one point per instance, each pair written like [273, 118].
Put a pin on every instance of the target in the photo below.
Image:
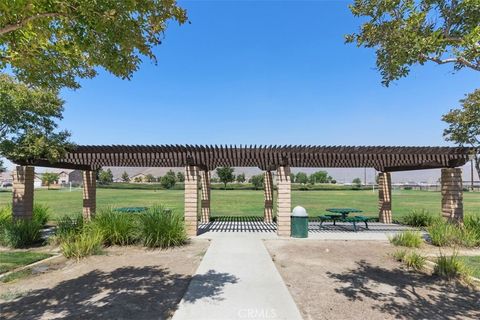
[341, 214]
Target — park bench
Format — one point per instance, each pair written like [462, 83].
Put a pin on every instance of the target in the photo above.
[337, 217]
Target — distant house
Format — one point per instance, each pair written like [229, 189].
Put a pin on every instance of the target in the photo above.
[6, 179]
[65, 177]
[138, 178]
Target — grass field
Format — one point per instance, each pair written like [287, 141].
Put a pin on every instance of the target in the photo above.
[248, 202]
[12, 260]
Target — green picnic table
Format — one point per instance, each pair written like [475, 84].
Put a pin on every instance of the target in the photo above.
[341, 214]
[131, 209]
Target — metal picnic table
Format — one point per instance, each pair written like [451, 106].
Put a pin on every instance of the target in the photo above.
[342, 215]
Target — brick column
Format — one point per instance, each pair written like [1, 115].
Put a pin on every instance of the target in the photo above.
[22, 202]
[205, 200]
[268, 193]
[385, 197]
[284, 201]
[452, 194]
[191, 200]
[89, 194]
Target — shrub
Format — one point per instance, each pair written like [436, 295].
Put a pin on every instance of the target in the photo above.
[163, 228]
[20, 233]
[451, 267]
[441, 233]
[414, 260]
[418, 218]
[116, 228]
[41, 213]
[412, 239]
[87, 242]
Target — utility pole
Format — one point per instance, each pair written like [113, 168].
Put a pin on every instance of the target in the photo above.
[471, 174]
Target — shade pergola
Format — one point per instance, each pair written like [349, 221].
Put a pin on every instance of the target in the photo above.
[199, 160]
[209, 157]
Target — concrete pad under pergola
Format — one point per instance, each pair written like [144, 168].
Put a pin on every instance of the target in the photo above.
[199, 161]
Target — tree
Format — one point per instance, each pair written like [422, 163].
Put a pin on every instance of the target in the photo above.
[49, 178]
[225, 174]
[241, 178]
[301, 177]
[2, 168]
[105, 176]
[168, 180]
[138, 179]
[53, 43]
[180, 177]
[292, 177]
[320, 177]
[406, 32]
[28, 122]
[150, 178]
[357, 182]
[464, 125]
[257, 181]
[125, 177]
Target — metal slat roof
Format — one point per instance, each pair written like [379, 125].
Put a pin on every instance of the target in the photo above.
[382, 158]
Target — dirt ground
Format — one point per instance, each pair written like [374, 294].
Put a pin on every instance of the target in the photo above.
[124, 283]
[359, 280]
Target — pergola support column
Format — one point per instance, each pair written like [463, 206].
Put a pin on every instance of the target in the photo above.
[89, 194]
[385, 197]
[22, 202]
[268, 193]
[191, 200]
[205, 201]
[452, 194]
[284, 201]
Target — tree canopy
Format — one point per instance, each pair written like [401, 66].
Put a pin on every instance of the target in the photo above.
[28, 127]
[125, 177]
[225, 174]
[49, 177]
[51, 43]
[105, 176]
[464, 124]
[406, 32]
[257, 181]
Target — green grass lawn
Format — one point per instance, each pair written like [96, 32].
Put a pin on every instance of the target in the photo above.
[12, 260]
[473, 262]
[248, 202]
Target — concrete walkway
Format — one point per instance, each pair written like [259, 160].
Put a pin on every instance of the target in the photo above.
[237, 280]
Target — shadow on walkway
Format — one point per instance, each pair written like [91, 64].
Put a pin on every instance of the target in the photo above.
[408, 295]
[237, 224]
[124, 293]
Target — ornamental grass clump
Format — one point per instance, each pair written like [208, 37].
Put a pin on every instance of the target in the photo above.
[408, 238]
[41, 213]
[117, 228]
[20, 233]
[415, 261]
[452, 268]
[162, 227]
[447, 234]
[418, 218]
[87, 242]
[68, 225]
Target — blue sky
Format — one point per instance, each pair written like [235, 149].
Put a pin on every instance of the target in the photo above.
[265, 72]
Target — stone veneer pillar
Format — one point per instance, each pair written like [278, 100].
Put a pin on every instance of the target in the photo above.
[205, 200]
[191, 200]
[89, 194]
[22, 202]
[452, 194]
[385, 197]
[284, 201]
[268, 193]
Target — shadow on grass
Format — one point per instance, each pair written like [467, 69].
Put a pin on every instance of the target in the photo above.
[408, 295]
[124, 293]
